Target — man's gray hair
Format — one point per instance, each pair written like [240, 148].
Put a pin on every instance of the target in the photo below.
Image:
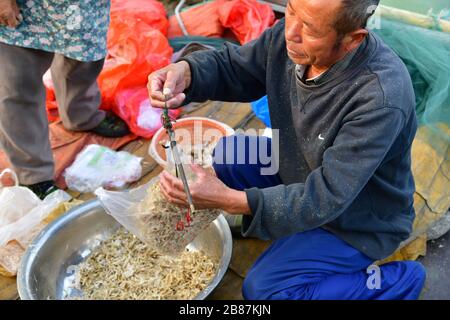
[353, 15]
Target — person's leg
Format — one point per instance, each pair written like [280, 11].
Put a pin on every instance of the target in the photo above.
[238, 160]
[23, 119]
[318, 265]
[77, 93]
[400, 280]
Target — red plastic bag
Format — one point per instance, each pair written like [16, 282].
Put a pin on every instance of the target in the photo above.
[50, 100]
[129, 12]
[133, 105]
[247, 19]
[137, 46]
[135, 55]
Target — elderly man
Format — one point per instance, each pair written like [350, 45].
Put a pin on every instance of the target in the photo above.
[343, 105]
[70, 37]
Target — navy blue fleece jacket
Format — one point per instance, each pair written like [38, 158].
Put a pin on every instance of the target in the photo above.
[345, 144]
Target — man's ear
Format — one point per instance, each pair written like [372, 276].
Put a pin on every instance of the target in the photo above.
[354, 39]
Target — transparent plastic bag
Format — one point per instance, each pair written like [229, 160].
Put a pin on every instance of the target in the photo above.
[21, 211]
[98, 166]
[147, 214]
[22, 216]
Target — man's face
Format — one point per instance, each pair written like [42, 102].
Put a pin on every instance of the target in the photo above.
[310, 36]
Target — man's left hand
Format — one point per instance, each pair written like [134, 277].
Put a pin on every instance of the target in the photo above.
[207, 192]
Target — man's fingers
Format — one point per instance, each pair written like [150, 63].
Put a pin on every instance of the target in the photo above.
[174, 200]
[172, 195]
[163, 182]
[157, 103]
[157, 95]
[173, 182]
[168, 184]
[171, 103]
[170, 83]
[176, 101]
[166, 84]
[155, 83]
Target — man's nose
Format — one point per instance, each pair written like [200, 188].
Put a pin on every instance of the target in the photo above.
[293, 32]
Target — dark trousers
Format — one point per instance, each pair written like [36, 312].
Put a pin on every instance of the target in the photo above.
[23, 120]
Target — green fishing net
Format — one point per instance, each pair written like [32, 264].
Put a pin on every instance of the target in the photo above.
[426, 54]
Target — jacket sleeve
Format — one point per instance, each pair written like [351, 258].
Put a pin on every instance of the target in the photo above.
[358, 150]
[234, 73]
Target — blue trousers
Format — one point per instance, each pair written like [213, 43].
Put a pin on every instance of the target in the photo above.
[314, 264]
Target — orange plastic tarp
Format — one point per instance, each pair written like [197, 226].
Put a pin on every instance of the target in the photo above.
[247, 19]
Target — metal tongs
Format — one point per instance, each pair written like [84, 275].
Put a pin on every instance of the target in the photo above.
[179, 170]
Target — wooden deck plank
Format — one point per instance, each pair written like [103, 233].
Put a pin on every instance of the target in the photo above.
[255, 123]
[8, 288]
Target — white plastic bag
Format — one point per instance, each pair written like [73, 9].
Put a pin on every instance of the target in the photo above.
[149, 118]
[21, 211]
[22, 216]
[15, 201]
[167, 230]
[98, 166]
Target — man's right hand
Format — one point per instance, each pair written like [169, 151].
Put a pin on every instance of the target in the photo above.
[9, 13]
[170, 81]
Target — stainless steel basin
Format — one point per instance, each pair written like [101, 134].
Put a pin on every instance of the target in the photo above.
[48, 266]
